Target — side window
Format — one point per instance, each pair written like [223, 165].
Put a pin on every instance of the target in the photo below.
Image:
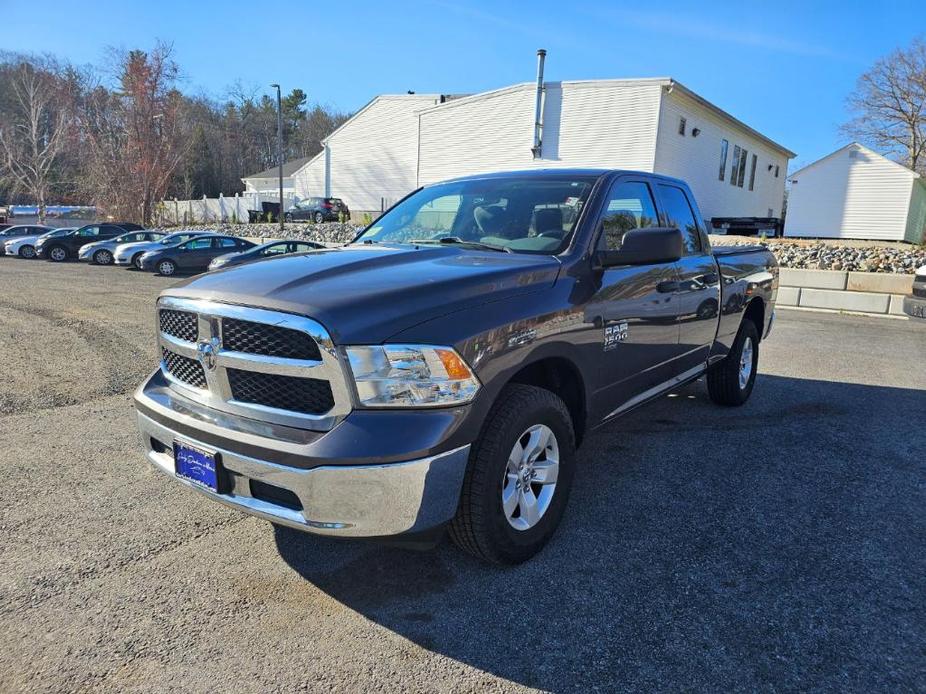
[679, 213]
[736, 165]
[744, 155]
[752, 173]
[225, 243]
[90, 231]
[630, 206]
[275, 249]
[724, 146]
[197, 244]
[301, 248]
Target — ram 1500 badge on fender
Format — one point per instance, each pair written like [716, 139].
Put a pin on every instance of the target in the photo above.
[441, 370]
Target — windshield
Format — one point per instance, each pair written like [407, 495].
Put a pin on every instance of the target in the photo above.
[525, 214]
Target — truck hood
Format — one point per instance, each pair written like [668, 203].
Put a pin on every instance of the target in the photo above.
[367, 293]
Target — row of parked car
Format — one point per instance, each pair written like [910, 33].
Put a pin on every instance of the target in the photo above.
[133, 246]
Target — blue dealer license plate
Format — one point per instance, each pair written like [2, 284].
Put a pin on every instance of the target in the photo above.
[196, 465]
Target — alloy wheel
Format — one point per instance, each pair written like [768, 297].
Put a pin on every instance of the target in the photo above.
[745, 363]
[58, 254]
[166, 267]
[530, 477]
[103, 257]
[27, 252]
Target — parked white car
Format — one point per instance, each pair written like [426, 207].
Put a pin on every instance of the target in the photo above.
[24, 246]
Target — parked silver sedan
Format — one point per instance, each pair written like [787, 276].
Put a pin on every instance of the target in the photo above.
[103, 252]
[128, 254]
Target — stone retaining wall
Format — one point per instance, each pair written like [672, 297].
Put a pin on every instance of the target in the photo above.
[862, 292]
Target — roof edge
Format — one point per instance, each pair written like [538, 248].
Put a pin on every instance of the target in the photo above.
[859, 145]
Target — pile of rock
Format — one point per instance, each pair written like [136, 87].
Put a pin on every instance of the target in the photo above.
[828, 256]
[329, 232]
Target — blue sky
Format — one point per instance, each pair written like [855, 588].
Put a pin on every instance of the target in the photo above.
[784, 68]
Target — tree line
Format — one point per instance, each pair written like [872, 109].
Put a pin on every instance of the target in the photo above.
[124, 137]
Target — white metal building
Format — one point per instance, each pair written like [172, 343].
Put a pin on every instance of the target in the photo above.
[397, 143]
[855, 193]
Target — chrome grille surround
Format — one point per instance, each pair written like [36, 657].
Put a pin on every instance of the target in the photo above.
[209, 350]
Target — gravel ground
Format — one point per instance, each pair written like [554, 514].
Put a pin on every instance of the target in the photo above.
[775, 547]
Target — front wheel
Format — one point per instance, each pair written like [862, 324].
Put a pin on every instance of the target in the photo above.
[103, 257]
[731, 381]
[167, 268]
[27, 252]
[58, 254]
[319, 218]
[519, 476]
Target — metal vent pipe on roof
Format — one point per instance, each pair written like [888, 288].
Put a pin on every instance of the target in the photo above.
[538, 107]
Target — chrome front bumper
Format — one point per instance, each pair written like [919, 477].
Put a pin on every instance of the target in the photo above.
[342, 500]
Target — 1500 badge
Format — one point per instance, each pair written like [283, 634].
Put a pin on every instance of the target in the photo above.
[614, 334]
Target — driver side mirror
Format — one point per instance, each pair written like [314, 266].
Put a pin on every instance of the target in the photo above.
[644, 247]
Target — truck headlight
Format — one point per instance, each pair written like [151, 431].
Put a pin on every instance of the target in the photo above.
[411, 376]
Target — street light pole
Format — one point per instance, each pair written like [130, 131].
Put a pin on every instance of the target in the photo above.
[280, 146]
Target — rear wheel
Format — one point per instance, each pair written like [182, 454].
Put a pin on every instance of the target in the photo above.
[167, 268]
[319, 218]
[57, 254]
[519, 476]
[103, 257]
[731, 381]
[27, 252]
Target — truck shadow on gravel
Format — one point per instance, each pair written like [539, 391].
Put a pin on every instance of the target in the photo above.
[778, 545]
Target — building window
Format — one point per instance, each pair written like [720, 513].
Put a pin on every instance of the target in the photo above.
[681, 126]
[752, 173]
[741, 176]
[736, 164]
[776, 170]
[724, 145]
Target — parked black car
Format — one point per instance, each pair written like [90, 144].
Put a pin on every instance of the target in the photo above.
[317, 210]
[195, 254]
[64, 247]
[267, 250]
[19, 230]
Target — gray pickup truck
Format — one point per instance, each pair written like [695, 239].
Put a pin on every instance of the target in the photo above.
[441, 370]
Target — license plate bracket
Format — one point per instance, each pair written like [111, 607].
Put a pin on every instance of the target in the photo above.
[197, 465]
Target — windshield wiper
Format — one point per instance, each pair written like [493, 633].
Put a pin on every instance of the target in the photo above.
[457, 241]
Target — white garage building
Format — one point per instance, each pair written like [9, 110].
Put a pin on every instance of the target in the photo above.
[855, 193]
[397, 143]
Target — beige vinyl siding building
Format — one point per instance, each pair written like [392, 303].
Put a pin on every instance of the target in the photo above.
[856, 193]
[397, 143]
[371, 160]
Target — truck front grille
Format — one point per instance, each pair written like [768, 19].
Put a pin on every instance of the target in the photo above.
[179, 324]
[306, 395]
[184, 369]
[266, 365]
[270, 340]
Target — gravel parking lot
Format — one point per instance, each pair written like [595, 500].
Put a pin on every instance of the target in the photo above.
[779, 546]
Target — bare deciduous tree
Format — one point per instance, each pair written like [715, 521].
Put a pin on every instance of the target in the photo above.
[890, 106]
[31, 141]
[136, 134]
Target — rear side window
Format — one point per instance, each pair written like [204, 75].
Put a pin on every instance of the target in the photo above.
[226, 243]
[679, 214]
[630, 206]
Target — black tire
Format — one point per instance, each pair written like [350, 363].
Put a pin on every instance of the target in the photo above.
[723, 380]
[167, 267]
[135, 261]
[319, 218]
[27, 252]
[480, 526]
[103, 257]
[57, 254]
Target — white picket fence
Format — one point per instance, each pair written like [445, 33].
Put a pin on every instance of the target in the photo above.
[226, 210]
